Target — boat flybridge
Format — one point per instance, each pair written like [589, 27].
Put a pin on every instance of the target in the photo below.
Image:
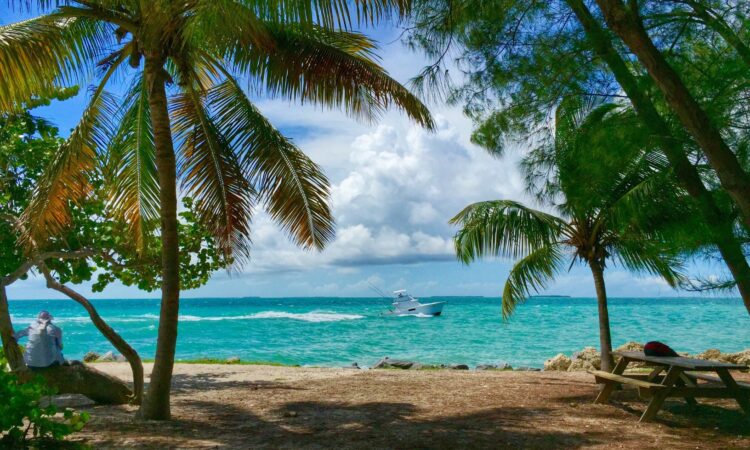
[406, 305]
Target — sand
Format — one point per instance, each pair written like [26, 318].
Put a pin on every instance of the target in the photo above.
[244, 406]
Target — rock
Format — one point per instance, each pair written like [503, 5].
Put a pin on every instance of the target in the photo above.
[107, 357]
[388, 363]
[91, 357]
[742, 357]
[233, 360]
[559, 363]
[527, 369]
[498, 366]
[631, 346]
[458, 367]
[353, 365]
[120, 358]
[586, 359]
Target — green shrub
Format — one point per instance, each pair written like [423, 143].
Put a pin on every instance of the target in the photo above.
[23, 419]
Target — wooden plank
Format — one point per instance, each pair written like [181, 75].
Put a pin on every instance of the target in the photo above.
[739, 394]
[660, 395]
[700, 392]
[604, 377]
[684, 381]
[607, 388]
[681, 361]
[713, 379]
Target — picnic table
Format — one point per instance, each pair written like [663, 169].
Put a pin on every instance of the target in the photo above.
[674, 376]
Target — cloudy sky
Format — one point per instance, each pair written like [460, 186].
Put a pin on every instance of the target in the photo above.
[394, 188]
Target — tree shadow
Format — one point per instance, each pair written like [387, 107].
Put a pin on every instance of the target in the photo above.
[313, 424]
[182, 383]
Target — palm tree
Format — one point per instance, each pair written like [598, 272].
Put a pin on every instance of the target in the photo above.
[598, 172]
[185, 58]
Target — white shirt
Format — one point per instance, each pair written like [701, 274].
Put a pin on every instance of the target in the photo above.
[44, 347]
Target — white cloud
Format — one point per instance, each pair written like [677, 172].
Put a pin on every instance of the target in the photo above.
[394, 196]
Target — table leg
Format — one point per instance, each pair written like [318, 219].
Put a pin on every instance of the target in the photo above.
[659, 396]
[735, 391]
[655, 372]
[685, 381]
[607, 388]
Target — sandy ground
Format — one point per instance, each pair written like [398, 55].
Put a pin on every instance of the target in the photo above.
[233, 406]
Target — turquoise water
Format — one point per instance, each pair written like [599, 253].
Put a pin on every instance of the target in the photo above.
[338, 331]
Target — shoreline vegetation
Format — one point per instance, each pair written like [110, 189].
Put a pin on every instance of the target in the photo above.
[581, 361]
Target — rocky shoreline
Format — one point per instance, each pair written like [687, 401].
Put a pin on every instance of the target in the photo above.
[581, 361]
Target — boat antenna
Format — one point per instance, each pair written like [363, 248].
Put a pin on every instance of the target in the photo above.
[378, 291]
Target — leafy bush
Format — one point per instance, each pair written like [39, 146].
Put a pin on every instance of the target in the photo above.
[23, 418]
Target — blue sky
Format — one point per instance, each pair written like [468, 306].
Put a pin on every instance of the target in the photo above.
[394, 188]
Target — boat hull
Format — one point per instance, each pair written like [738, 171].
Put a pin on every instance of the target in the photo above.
[426, 309]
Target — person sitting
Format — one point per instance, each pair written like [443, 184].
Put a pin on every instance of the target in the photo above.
[44, 348]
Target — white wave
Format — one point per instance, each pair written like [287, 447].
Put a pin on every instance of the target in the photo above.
[313, 316]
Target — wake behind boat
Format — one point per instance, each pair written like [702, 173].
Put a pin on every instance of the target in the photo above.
[406, 305]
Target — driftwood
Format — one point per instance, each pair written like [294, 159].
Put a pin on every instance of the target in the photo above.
[85, 380]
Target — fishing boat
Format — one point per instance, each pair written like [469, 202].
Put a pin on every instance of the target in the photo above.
[406, 305]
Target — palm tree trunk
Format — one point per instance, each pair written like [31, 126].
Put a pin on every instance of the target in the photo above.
[605, 338]
[723, 234]
[10, 346]
[155, 404]
[136, 366]
[627, 25]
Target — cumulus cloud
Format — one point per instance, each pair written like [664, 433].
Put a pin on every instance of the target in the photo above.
[392, 203]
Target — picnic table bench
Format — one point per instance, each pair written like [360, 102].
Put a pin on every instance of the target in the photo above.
[683, 377]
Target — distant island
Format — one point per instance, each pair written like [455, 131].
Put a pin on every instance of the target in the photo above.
[549, 296]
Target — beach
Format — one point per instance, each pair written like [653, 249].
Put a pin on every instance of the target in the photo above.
[255, 406]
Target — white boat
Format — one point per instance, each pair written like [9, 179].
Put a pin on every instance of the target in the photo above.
[406, 305]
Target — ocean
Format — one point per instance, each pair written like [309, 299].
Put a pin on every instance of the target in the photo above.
[339, 331]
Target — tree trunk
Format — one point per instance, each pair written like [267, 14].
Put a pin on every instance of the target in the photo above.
[627, 25]
[85, 380]
[10, 346]
[722, 28]
[81, 379]
[723, 234]
[605, 338]
[136, 366]
[155, 404]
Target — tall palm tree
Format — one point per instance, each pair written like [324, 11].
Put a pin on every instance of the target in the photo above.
[598, 179]
[186, 116]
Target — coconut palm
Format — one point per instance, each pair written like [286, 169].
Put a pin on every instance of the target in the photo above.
[597, 177]
[186, 117]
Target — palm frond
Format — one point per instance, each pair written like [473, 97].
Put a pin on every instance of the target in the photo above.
[330, 14]
[531, 274]
[66, 179]
[503, 228]
[131, 167]
[650, 255]
[294, 189]
[39, 54]
[333, 69]
[212, 175]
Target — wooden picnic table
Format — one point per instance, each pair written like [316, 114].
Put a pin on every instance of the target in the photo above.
[684, 377]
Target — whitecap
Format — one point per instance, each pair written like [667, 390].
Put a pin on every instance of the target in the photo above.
[314, 316]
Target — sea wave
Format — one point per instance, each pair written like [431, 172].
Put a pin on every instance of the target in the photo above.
[313, 316]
